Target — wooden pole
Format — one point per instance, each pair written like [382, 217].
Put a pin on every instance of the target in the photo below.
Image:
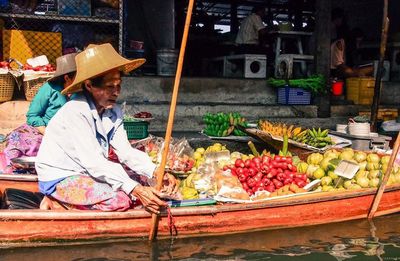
[378, 77]
[170, 124]
[379, 193]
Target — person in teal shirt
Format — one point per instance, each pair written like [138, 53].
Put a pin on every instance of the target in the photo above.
[26, 139]
[46, 103]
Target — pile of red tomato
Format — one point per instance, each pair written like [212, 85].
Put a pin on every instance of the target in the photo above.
[266, 173]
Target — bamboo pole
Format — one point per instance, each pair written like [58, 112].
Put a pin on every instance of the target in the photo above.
[170, 124]
[379, 193]
[377, 90]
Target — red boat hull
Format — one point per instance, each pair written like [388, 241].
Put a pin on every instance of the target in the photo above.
[29, 226]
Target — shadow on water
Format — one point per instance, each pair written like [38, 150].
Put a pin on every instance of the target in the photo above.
[353, 240]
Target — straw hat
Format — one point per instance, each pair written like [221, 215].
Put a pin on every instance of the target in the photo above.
[96, 60]
[65, 64]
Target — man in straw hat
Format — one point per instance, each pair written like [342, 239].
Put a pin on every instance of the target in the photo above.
[26, 139]
[73, 163]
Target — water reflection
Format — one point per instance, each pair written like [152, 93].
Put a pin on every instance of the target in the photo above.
[355, 240]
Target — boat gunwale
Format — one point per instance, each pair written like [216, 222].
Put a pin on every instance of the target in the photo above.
[19, 177]
[36, 214]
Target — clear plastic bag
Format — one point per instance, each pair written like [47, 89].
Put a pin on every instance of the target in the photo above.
[205, 183]
[151, 145]
[180, 156]
[229, 188]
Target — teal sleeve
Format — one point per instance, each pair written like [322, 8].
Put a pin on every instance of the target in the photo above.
[38, 106]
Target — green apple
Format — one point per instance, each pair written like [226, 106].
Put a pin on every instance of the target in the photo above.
[310, 170]
[361, 174]
[332, 175]
[346, 155]
[318, 173]
[327, 188]
[332, 153]
[363, 164]
[355, 186]
[302, 167]
[360, 156]
[374, 182]
[372, 165]
[347, 184]
[372, 157]
[326, 181]
[385, 160]
[374, 174]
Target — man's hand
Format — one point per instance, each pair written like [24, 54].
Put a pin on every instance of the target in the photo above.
[149, 197]
[41, 129]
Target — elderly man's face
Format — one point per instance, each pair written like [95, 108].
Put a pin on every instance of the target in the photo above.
[105, 96]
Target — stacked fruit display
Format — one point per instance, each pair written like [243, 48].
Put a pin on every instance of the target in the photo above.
[267, 173]
[371, 166]
[223, 124]
[313, 137]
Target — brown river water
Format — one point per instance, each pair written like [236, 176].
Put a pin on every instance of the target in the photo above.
[353, 240]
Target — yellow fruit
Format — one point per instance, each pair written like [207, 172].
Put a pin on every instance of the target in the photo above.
[326, 181]
[189, 193]
[199, 162]
[200, 150]
[197, 155]
[327, 188]
[319, 173]
[296, 131]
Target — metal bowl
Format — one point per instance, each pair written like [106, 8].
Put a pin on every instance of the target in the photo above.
[23, 163]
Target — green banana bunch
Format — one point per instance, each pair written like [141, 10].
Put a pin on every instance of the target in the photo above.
[315, 137]
[223, 124]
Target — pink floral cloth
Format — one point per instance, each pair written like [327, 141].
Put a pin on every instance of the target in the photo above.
[23, 141]
[83, 192]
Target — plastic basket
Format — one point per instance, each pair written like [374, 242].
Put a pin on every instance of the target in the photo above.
[293, 96]
[7, 84]
[136, 129]
[31, 87]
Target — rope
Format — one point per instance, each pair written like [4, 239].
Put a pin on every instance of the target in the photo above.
[171, 223]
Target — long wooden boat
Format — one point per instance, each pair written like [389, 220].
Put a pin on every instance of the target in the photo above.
[340, 239]
[25, 227]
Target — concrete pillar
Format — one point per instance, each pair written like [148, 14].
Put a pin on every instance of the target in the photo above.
[322, 52]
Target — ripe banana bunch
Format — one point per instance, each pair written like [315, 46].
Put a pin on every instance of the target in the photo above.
[279, 129]
[314, 137]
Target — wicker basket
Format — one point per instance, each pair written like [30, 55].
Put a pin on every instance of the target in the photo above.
[7, 84]
[31, 87]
